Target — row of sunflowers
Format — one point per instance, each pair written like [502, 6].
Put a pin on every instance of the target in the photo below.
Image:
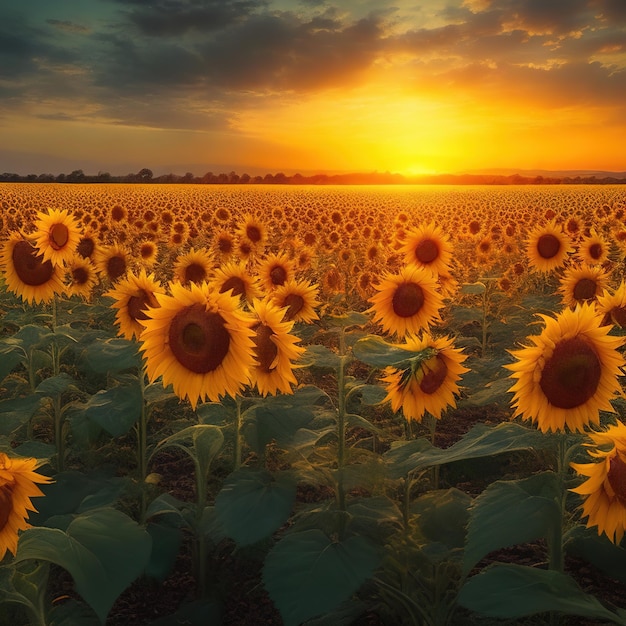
[228, 319]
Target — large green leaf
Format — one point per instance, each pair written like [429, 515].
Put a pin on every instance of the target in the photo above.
[308, 574]
[350, 318]
[512, 512]
[482, 440]
[17, 411]
[514, 591]
[375, 351]
[25, 585]
[252, 505]
[111, 355]
[104, 551]
[10, 356]
[115, 409]
[55, 385]
[442, 516]
[321, 356]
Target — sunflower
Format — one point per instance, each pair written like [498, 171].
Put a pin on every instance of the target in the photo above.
[593, 249]
[27, 274]
[133, 294]
[200, 341]
[233, 276]
[583, 283]
[225, 244]
[81, 277]
[275, 349]
[604, 491]
[427, 385]
[148, 252]
[612, 306]
[299, 298]
[275, 270]
[570, 373]
[428, 246]
[547, 247]
[253, 232]
[111, 262]
[17, 487]
[406, 302]
[57, 236]
[87, 245]
[193, 267]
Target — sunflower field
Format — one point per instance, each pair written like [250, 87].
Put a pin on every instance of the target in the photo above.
[268, 404]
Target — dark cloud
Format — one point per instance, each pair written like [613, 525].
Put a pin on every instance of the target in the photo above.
[177, 17]
[67, 26]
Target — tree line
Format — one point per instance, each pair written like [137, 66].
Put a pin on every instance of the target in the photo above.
[146, 175]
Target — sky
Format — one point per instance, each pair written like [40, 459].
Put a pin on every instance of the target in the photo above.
[258, 86]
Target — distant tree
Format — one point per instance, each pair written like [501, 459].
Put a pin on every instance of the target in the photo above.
[233, 178]
[268, 179]
[209, 178]
[60, 178]
[222, 179]
[104, 177]
[245, 179]
[280, 179]
[187, 178]
[145, 175]
[45, 178]
[77, 176]
[257, 180]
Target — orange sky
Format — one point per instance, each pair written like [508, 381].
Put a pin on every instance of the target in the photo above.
[313, 86]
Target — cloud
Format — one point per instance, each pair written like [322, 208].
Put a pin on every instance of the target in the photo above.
[67, 26]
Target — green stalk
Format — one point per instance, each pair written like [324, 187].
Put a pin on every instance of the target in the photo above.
[201, 546]
[238, 447]
[142, 446]
[341, 422]
[57, 414]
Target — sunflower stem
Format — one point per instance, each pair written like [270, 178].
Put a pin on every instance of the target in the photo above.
[142, 445]
[341, 422]
[556, 559]
[201, 545]
[237, 448]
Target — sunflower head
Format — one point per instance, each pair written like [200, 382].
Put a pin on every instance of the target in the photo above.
[299, 300]
[569, 374]
[407, 302]
[57, 236]
[200, 341]
[583, 283]
[604, 491]
[18, 484]
[548, 247]
[428, 246]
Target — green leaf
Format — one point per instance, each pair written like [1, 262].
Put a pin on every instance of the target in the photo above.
[26, 585]
[351, 318]
[55, 385]
[512, 512]
[274, 423]
[515, 591]
[482, 440]
[597, 550]
[474, 288]
[358, 421]
[307, 574]
[115, 409]
[104, 551]
[16, 412]
[443, 515]
[320, 356]
[372, 394]
[202, 442]
[9, 359]
[252, 505]
[375, 351]
[216, 413]
[165, 547]
[111, 355]
[71, 612]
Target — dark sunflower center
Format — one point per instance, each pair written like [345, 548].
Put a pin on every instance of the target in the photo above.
[58, 236]
[265, 349]
[426, 251]
[618, 316]
[6, 504]
[30, 268]
[138, 304]
[236, 284]
[294, 303]
[571, 375]
[595, 251]
[617, 477]
[278, 275]
[407, 300]
[116, 267]
[548, 246]
[86, 246]
[80, 276]
[435, 372]
[585, 289]
[225, 245]
[199, 339]
[253, 233]
[194, 273]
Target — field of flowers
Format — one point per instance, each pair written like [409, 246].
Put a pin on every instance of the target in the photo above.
[327, 405]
